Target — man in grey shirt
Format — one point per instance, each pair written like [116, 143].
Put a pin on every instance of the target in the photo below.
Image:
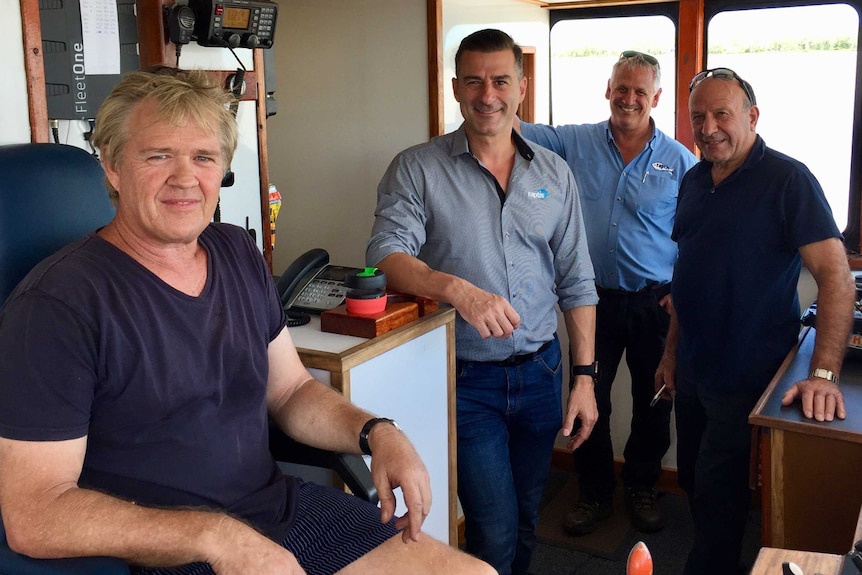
[482, 221]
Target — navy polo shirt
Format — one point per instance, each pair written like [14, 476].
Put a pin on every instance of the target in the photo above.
[734, 284]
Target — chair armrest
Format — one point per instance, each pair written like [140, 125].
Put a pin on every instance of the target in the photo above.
[351, 468]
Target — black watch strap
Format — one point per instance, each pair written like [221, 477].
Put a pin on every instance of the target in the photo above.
[592, 370]
[366, 429]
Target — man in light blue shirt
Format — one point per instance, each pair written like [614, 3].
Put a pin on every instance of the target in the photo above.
[628, 174]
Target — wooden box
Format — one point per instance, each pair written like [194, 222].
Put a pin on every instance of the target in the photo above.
[339, 320]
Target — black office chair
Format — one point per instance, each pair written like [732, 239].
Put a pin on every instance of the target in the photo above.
[50, 195]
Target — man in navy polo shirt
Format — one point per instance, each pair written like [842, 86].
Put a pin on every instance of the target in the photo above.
[748, 217]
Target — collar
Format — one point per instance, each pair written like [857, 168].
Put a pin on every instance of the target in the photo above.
[610, 135]
[755, 154]
[460, 144]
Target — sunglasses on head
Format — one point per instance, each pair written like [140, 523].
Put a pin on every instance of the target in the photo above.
[651, 60]
[726, 73]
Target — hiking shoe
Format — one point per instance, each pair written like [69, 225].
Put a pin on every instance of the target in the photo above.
[586, 516]
[645, 513]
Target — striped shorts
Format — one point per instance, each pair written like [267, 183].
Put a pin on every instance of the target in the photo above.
[332, 530]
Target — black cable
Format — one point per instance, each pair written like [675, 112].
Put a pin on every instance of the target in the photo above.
[241, 65]
[89, 135]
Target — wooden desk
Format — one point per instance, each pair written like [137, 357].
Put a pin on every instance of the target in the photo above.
[407, 374]
[810, 470]
[769, 562]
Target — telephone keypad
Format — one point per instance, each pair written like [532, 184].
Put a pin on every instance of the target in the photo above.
[322, 294]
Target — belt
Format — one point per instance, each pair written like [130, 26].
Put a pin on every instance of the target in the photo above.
[658, 290]
[522, 357]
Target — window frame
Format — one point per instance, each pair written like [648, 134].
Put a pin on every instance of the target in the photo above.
[854, 207]
[688, 55]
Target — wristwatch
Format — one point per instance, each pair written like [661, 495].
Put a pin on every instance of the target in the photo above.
[824, 374]
[592, 370]
[366, 429]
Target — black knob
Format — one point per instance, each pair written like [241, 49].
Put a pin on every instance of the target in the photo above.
[231, 39]
[250, 40]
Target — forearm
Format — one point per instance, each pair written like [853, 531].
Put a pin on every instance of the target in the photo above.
[672, 339]
[82, 522]
[321, 417]
[836, 293]
[581, 329]
[407, 274]
[834, 323]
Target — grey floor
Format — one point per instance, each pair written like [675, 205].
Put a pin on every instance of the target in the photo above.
[668, 547]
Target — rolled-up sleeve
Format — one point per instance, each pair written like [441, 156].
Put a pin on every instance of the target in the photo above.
[574, 275]
[400, 217]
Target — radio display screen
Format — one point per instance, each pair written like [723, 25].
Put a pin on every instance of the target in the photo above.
[236, 18]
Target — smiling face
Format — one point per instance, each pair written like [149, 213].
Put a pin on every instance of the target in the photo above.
[489, 90]
[632, 95]
[168, 178]
[723, 125]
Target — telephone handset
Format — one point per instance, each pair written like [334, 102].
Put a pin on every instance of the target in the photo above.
[312, 284]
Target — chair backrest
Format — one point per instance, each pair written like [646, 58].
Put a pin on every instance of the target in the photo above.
[50, 195]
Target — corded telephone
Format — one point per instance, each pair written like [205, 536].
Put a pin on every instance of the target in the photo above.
[312, 284]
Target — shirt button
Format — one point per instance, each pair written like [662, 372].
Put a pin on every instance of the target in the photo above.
[614, 225]
[619, 199]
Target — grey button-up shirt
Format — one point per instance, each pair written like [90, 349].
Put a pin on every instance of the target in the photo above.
[438, 203]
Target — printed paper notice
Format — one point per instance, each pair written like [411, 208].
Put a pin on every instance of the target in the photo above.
[101, 34]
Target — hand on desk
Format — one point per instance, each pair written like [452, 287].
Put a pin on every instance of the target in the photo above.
[821, 399]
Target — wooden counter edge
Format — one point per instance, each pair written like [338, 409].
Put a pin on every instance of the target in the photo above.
[769, 560]
[755, 418]
[366, 350]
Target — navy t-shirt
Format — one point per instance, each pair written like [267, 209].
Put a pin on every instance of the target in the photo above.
[735, 282]
[168, 388]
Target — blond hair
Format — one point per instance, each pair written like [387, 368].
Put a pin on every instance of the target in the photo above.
[180, 95]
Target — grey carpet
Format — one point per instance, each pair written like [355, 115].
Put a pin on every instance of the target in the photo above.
[668, 547]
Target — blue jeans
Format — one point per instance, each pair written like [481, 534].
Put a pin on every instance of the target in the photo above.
[508, 418]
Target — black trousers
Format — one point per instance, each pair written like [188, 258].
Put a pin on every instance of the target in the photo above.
[713, 456]
[637, 324]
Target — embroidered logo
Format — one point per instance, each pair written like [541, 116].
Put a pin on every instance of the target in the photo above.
[662, 168]
[539, 194]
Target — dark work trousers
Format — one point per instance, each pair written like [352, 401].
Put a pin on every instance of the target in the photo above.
[713, 456]
[633, 322]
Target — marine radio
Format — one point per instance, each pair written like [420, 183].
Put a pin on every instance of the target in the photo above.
[234, 23]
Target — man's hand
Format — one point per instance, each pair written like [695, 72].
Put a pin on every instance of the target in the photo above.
[492, 315]
[821, 399]
[242, 550]
[395, 463]
[582, 406]
[665, 375]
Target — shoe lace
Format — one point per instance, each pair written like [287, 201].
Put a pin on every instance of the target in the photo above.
[643, 497]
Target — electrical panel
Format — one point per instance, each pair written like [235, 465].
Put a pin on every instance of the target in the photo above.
[87, 45]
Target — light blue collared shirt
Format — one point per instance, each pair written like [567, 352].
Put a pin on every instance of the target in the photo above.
[628, 209]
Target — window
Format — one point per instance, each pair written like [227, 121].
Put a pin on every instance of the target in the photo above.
[801, 62]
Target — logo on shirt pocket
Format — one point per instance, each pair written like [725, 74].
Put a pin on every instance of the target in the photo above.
[659, 167]
[539, 194]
